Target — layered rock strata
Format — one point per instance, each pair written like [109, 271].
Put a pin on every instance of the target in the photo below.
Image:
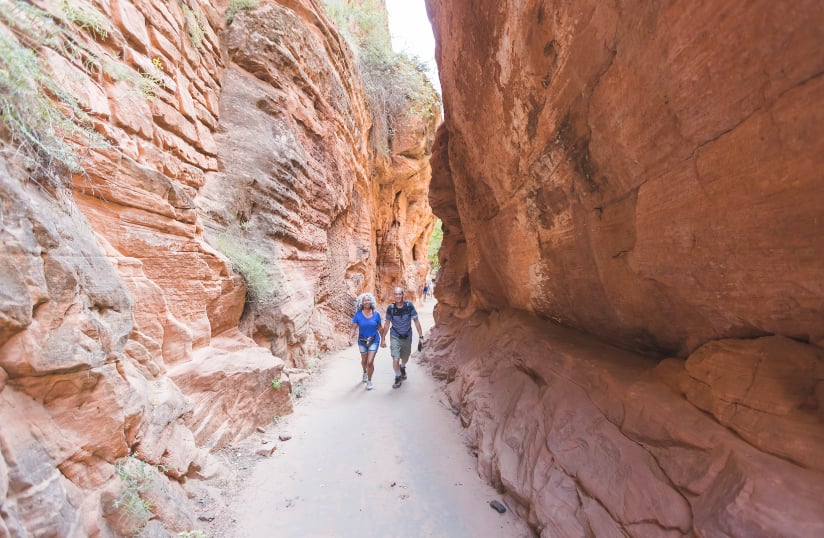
[125, 353]
[647, 175]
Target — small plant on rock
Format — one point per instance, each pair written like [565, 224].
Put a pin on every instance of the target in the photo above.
[276, 383]
[195, 24]
[239, 5]
[396, 84]
[298, 391]
[192, 534]
[40, 116]
[137, 477]
[250, 263]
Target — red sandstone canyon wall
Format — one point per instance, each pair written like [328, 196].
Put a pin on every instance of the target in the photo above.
[128, 343]
[623, 179]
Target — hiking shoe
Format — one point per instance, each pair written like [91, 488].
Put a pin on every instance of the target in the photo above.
[403, 372]
[365, 377]
[369, 385]
[397, 383]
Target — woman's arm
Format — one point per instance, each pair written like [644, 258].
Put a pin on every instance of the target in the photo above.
[352, 332]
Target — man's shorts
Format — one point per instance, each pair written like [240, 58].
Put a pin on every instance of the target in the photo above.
[399, 348]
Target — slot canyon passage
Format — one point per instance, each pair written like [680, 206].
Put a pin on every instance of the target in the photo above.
[630, 294]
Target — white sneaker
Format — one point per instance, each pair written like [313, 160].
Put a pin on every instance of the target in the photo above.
[365, 377]
[369, 385]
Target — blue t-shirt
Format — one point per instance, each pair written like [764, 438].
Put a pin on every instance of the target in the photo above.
[367, 326]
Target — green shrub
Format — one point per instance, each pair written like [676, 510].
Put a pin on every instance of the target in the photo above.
[239, 5]
[38, 114]
[397, 87]
[396, 84]
[86, 18]
[249, 263]
[276, 383]
[136, 477]
[195, 25]
[361, 23]
[435, 241]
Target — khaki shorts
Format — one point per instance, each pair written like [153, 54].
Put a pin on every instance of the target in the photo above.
[400, 349]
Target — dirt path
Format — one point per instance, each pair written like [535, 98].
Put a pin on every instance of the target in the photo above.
[386, 462]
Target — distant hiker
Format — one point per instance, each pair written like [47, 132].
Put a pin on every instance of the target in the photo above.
[425, 291]
[367, 323]
[399, 316]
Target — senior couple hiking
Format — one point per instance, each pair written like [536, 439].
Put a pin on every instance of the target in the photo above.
[371, 331]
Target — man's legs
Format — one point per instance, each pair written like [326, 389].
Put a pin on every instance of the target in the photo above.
[395, 348]
[396, 366]
[403, 362]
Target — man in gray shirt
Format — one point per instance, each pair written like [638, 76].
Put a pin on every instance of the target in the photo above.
[399, 318]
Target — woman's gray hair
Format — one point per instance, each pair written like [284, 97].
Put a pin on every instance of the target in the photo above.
[371, 298]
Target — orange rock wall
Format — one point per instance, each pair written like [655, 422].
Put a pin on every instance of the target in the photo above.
[647, 175]
[123, 331]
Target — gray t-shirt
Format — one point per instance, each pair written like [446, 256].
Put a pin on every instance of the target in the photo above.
[401, 319]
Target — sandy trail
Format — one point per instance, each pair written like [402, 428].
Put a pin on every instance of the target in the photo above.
[386, 462]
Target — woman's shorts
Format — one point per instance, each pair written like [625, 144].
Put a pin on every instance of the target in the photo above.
[373, 347]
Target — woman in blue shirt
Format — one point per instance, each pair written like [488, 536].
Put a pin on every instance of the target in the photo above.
[367, 324]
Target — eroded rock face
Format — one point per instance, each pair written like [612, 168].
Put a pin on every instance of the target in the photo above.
[646, 174]
[294, 174]
[649, 176]
[121, 338]
[404, 218]
[299, 182]
[591, 440]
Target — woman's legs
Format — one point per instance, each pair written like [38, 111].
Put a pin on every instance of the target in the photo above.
[363, 363]
[370, 363]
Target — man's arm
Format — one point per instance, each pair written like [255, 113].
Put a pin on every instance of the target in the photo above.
[418, 326]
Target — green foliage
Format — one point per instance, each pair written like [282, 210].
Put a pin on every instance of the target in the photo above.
[395, 83]
[192, 534]
[40, 114]
[276, 383]
[396, 86]
[239, 5]
[435, 241]
[136, 477]
[361, 23]
[250, 263]
[87, 18]
[298, 391]
[193, 21]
